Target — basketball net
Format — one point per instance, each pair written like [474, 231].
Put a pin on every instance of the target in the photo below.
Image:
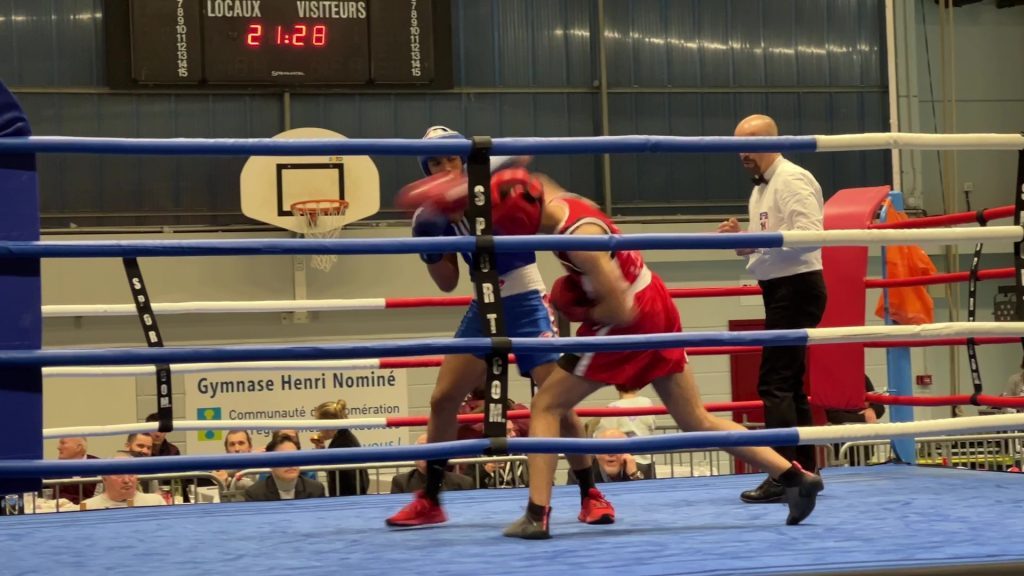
[320, 219]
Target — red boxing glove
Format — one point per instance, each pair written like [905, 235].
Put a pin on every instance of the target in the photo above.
[517, 199]
[570, 300]
[445, 192]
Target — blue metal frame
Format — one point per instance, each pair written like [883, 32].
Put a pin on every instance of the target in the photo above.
[898, 367]
[21, 387]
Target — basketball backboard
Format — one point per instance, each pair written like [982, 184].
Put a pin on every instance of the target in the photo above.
[270, 184]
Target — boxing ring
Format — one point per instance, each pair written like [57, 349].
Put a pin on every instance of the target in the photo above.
[869, 521]
[890, 519]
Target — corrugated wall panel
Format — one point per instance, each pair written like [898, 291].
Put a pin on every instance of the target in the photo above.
[715, 53]
[746, 38]
[684, 53]
[780, 47]
[718, 179]
[812, 43]
[543, 43]
[82, 184]
[685, 67]
[51, 42]
[871, 43]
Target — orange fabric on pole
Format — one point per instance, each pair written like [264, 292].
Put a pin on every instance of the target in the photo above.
[912, 304]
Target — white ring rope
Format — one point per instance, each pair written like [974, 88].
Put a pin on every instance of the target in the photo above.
[844, 334]
[106, 371]
[196, 425]
[911, 141]
[336, 304]
[808, 435]
[942, 426]
[919, 332]
[898, 236]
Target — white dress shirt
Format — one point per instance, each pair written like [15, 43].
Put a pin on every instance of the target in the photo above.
[790, 200]
[103, 502]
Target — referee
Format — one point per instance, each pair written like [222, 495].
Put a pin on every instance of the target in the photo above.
[785, 197]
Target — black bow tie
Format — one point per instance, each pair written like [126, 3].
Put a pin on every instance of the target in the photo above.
[758, 180]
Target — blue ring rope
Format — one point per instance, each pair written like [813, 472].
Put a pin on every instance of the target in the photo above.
[391, 349]
[262, 247]
[460, 448]
[402, 147]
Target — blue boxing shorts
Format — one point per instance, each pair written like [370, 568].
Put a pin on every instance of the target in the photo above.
[527, 315]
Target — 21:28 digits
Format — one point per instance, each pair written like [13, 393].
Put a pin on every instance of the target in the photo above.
[299, 35]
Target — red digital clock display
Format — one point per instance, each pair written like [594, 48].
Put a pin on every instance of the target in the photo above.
[258, 35]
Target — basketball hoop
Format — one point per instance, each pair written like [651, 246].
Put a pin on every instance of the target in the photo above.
[320, 219]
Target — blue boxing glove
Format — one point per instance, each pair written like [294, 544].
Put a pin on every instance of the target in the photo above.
[427, 223]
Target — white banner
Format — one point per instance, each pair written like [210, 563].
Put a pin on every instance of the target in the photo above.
[284, 395]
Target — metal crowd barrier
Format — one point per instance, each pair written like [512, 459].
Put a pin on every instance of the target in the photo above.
[175, 492]
[378, 470]
[998, 452]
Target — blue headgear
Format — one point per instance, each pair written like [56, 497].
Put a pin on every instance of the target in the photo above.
[433, 133]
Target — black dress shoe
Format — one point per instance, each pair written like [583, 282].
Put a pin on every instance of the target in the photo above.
[769, 492]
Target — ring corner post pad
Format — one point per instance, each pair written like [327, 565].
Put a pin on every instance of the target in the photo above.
[487, 282]
[21, 388]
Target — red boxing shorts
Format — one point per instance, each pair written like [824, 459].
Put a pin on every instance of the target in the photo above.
[655, 313]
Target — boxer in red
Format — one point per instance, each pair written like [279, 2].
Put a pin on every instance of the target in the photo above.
[612, 294]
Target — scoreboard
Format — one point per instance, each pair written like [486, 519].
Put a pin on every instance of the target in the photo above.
[283, 42]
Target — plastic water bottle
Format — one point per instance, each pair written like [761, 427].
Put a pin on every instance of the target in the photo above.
[12, 505]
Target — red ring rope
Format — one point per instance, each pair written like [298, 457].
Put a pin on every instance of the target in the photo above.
[937, 278]
[958, 400]
[584, 413]
[724, 291]
[948, 219]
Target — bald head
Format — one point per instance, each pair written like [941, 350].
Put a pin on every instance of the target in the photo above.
[757, 126]
[71, 448]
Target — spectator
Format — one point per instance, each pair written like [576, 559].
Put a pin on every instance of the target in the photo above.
[631, 426]
[161, 447]
[785, 197]
[340, 482]
[75, 448]
[616, 467]
[235, 442]
[121, 490]
[294, 436]
[284, 483]
[474, 404]
[416, 478]
[1015, 387]
[141, 443]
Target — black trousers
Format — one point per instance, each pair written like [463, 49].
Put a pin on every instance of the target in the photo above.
[790, 302]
